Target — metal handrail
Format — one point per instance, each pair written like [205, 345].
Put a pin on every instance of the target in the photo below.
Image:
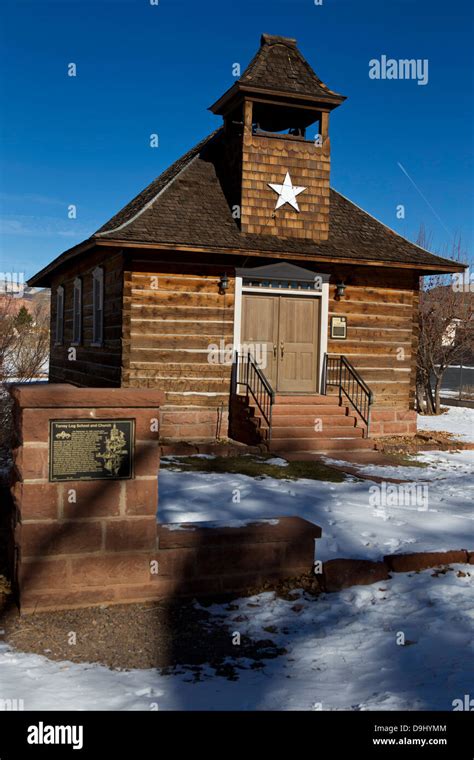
[249, 374]
[339, 372]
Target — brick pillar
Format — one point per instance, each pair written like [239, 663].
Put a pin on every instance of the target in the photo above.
[83, 542]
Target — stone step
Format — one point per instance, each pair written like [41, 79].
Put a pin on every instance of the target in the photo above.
[341, 433]
[309, 410]
[320, 445]
[315, 398]
[308, 420]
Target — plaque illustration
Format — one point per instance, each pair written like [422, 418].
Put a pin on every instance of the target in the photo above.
[115, 450]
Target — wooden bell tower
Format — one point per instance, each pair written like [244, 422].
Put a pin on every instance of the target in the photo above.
[276, 121]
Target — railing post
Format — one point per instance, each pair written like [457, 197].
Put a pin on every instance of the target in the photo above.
[248, 375]
[234, 374]
[340, 380]
[324, 377]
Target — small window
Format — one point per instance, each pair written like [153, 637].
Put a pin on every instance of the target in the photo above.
[59, 315]
[98, 306]
[77, 312]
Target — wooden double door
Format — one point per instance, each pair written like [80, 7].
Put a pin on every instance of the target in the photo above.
[283, 333]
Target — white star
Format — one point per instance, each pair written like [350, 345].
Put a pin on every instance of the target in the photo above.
[287, 192]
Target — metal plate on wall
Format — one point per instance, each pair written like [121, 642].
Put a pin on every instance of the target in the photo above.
[91, 449]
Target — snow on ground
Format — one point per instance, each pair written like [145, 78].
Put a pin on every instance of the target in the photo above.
[458, 420]
[342, 653]
[438, 515]
[341, 649]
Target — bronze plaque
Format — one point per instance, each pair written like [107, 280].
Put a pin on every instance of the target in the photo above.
[91, 449]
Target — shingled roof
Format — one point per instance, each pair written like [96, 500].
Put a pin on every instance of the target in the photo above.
[186, 206]
[278, 66]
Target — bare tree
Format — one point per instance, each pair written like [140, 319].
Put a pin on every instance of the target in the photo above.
[446, 329]
[24, 339]
[7, 335]
[24, 348]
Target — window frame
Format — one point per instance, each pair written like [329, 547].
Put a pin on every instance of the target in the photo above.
[59, 327]
[77, 312]
[98, 308]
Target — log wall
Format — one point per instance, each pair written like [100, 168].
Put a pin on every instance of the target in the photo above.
[382, 334]
[171, 319]
[92, 366]
[162, 317]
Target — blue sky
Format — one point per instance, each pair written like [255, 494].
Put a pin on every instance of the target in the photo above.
[144, 69]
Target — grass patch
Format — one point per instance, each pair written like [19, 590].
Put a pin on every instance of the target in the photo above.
[405, 460]
[257, 467]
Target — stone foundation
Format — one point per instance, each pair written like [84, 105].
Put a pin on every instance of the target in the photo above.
[388, 422]
[193, 423]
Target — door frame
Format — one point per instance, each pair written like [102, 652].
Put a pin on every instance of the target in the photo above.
[284, 271]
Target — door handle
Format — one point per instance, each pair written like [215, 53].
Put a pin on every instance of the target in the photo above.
[275, 349]
[282, 349]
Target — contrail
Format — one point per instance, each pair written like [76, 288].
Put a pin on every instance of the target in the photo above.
[424, 198]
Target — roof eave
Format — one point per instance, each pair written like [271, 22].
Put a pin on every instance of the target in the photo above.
[430, 268]
[42, 279]
[330, 101]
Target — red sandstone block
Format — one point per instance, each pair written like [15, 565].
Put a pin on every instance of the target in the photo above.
[375, 428]
[249, 558]
[36, 500]
[391, 428]
[190, 417]
[403, 563]
[178, 418]
[32, 462]
[284, 529]
[64, 599]
[43, 573]
[177, 563]
[300, 553]
[412, 428]
[207, 430]
[380, 415]
[118, 569]
[131, 534]
[65, 395]
[343, 573]
[38, 539]
[141, 497]
[95, 498]
[168, 431]
[147, 457]
[137, 592]
[406, 415]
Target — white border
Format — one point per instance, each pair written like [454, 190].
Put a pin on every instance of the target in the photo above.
[323, 294]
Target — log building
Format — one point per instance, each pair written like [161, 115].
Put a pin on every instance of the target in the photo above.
[265, 304]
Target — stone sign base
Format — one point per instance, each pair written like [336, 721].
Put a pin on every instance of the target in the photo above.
[88, 542]
[188, 561]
